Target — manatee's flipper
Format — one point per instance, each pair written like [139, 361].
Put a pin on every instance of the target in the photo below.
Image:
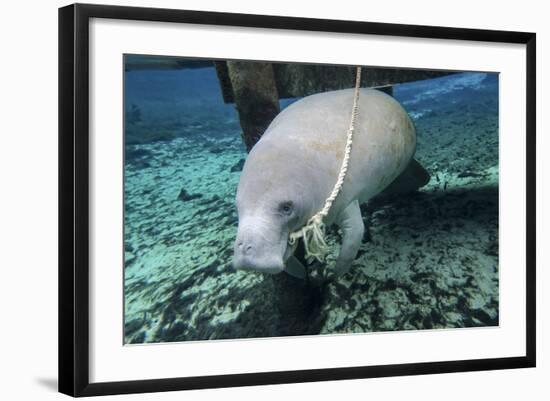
[351, 223]
[295, 268]
[412, 178]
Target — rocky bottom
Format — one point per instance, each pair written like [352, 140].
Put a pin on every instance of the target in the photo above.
[429, 260]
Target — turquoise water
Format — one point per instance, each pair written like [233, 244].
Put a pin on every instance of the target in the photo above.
[430, 260]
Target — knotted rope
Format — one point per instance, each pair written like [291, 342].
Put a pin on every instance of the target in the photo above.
[313, 233]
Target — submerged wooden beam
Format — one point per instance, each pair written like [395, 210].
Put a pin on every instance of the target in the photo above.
[297, 80]
[136, 62]
[256, 97]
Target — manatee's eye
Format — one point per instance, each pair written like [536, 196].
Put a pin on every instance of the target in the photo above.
[286, 208]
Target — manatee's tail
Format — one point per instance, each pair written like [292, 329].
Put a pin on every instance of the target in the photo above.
[413, 177]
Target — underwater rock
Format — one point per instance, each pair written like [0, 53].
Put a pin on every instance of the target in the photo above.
[137, 134]
[492, 249]
[133, 115]
[469, 173]
[184, 196]
[237, 166]
[138, 158]
[139, 338]
[216, 150]
[129, 257]
[335, 320]
[134, 154]
[132, 326]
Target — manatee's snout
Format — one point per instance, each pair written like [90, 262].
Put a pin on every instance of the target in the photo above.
[245, 259]
[254, 251]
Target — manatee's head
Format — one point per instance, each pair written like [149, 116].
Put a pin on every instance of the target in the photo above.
[271, 203]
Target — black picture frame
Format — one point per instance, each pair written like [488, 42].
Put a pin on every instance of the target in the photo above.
[74, 198]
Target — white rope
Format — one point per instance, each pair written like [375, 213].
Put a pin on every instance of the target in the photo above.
[313, 233]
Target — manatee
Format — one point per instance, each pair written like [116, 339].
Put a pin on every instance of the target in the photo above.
[292, 169]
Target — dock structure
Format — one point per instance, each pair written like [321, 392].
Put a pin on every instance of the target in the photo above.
[256, 87]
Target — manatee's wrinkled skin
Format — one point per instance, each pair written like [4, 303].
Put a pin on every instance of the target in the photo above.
[293, 168]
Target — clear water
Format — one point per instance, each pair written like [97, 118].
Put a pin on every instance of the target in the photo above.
[430, 259]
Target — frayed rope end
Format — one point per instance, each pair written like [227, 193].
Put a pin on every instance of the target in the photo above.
[313, 234]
